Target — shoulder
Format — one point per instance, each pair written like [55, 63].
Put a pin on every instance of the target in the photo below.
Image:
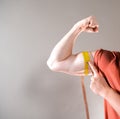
[105, 54]
[104, 57]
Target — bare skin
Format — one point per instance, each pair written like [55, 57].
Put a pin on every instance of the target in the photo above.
[63, 60]
[99, 86]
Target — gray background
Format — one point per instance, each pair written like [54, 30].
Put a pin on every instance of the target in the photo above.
[29, 29]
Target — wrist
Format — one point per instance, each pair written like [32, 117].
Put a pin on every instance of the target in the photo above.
[77, 28]
[106, 92]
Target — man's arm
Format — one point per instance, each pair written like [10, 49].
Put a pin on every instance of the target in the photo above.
[113, 98]
[100, 87]
[62, 59]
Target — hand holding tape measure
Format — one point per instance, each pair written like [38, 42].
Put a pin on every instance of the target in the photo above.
[98, 83]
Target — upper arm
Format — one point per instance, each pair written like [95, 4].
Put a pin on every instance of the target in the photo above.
[74, 64]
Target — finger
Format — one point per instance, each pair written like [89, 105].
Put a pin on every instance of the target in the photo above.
[95, 29]
[93, 68]
[93, 22]
[92, 79]
[92, 30]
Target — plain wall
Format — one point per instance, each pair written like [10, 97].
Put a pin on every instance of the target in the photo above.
[29, 29]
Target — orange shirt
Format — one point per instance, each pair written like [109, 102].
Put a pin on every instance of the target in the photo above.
[108, 63]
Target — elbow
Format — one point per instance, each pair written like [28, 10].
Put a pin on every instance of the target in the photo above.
[50, 65]
[53, 66]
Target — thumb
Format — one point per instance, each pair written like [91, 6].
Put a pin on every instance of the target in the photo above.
[93, 69]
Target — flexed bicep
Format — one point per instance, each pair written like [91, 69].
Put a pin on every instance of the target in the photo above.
[75, 64]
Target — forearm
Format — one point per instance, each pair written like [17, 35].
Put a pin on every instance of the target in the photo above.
[63, 48]
[114, 99]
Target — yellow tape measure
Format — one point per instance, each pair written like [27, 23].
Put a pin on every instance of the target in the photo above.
[86, 57]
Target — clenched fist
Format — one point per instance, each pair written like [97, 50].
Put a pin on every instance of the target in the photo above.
[88, 25]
